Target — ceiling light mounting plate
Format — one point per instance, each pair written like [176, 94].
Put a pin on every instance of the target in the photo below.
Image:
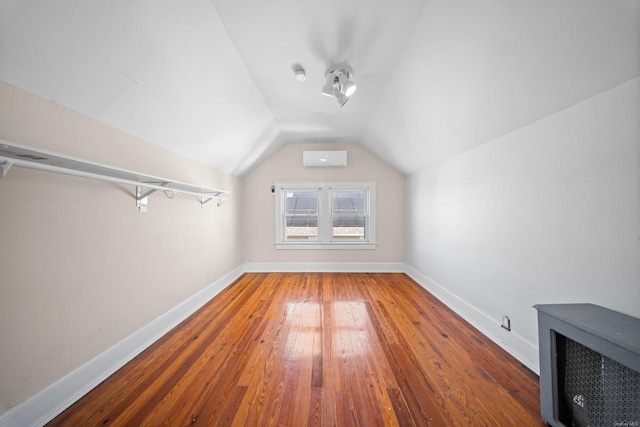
[340, 69]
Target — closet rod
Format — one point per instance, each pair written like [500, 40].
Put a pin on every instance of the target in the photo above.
[13, 154]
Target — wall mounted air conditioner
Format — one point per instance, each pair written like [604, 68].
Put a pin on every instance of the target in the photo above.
[324, 159]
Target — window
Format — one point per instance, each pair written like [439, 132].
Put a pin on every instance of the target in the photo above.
[301, 214]
[325, 215]
[348, 214]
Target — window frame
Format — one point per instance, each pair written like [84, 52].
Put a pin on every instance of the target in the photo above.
[325, 238]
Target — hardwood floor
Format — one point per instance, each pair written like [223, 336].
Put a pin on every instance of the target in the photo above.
[317, 349]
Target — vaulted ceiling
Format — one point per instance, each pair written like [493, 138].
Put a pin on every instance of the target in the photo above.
[213, 79]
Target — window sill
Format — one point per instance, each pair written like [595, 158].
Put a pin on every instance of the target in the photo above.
[331, 246]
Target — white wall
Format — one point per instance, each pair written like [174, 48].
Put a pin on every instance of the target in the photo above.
[546, 214]
[286, 165]
[80, 267]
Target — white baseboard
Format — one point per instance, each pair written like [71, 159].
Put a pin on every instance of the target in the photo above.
[511, 342]
[322, 267]
[48, 403]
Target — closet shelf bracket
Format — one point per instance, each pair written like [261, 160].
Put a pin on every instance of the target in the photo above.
[5, 165]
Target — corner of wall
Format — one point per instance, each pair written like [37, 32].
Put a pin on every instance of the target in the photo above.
[512, 343]
[48, 403]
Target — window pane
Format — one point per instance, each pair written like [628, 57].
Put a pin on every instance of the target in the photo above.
[301, 215]
[348, 228]
[348, 202]
[302, 203]
[348, 215]
[349, 221]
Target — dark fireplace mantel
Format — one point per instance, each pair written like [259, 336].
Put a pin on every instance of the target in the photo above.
[589, 366]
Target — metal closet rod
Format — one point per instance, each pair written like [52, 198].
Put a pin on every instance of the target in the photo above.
[13, 154]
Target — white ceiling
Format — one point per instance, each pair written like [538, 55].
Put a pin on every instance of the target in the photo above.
[213, 79]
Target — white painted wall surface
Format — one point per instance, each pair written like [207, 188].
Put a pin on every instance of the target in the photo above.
[286, 165]
[80, 267]
[546, 214]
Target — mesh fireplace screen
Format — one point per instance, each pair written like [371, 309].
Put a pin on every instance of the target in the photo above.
[594, 390]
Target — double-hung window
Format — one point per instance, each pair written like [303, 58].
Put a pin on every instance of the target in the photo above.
[325, 215]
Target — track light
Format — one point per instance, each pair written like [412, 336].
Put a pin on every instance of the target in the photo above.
[327, 89]
[340, 97]
[349, 88]
[339, 84]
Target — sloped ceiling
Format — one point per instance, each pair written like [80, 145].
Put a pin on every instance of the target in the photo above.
[213, 80]
[477, 70]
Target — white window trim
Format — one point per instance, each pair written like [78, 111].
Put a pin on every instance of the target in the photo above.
[324, 215]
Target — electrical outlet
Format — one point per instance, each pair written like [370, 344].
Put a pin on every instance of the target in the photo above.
[506, 323]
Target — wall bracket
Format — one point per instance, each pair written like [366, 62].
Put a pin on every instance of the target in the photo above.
[5, 165]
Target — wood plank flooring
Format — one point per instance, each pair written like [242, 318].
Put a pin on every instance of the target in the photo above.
[317, 349]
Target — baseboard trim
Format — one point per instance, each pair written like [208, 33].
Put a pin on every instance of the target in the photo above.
[511, 342]
[42, 407]
[321, 267]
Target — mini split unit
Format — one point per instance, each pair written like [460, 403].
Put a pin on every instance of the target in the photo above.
[324, 159]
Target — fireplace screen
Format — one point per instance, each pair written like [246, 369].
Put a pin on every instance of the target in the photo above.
[594, 390]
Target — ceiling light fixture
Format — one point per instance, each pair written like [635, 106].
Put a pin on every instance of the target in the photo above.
[301, 75]
[327, 89]
[339, 84]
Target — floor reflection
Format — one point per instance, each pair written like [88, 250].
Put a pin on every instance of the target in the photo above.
[305, 334]
[350, 336]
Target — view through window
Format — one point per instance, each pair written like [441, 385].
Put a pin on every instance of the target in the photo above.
[348, 214]
[325, 215]
[301, 215]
